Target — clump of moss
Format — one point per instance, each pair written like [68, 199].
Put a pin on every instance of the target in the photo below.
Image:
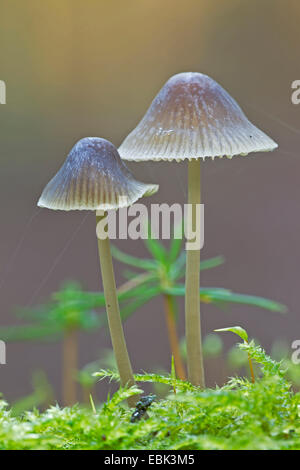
[240, 415]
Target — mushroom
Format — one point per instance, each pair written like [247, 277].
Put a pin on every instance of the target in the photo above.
[95, 178]
[193, 117]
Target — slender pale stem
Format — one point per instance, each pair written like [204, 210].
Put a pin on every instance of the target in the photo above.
[192, 297]
[70, 356]
[132, 283]
[173, 337]
[113, 315]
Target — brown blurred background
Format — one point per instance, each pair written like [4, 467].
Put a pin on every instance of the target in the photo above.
[77, 68]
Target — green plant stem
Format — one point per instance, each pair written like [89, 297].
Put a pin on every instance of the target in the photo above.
[192, 298]
[173, 337]
[86, 392]
[70, 357]
[113, 315]
[251, 367]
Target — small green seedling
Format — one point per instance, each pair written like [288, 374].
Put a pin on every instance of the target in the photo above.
[71, 309]
[173, 374]
[92, 404]
[61, 319]
[162, 275]
[238, 330]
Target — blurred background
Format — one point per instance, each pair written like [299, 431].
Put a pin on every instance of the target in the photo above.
[78, 68]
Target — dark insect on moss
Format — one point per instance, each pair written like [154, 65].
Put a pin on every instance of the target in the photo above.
[141, 407]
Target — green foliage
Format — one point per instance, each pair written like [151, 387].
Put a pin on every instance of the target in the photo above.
[86, 376]
[163, 272]
[240, 415]
[73, 308]
[70, 308]
[269, 366]
[237, 330]
[150, 378]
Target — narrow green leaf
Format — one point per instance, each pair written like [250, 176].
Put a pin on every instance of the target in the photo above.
[155, 248]
[211, 263]
[223, 295]
[31, 333]
[92, 404]
[173, 374]
[173, 370]
[237, 330]
[129, 274]
[147, 264]
[174, 250]
[138, 291]
[219, 295]
[177, 269]
[176, 243]
[134, 305]
[177, 290]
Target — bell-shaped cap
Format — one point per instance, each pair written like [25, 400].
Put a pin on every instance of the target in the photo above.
[93, 177]
[193, 117]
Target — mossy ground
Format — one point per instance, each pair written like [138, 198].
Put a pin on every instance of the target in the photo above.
[240, 415]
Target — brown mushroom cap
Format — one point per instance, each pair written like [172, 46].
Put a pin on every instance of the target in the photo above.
[193, 117]
[93, 177]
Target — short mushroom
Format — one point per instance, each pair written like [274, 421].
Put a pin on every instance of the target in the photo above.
[192, 118]
[95, 178]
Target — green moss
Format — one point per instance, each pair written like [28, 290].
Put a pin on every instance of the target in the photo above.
[240, 415]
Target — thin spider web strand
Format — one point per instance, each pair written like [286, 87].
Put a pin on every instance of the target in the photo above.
[16, 250]
[56, 262]
[275, 119]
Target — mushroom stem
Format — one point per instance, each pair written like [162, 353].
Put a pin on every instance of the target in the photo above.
[192, 280]
[70, 355]
[113, 315]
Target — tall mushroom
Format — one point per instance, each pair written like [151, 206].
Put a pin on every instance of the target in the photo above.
[94, 178]
[193, 117]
